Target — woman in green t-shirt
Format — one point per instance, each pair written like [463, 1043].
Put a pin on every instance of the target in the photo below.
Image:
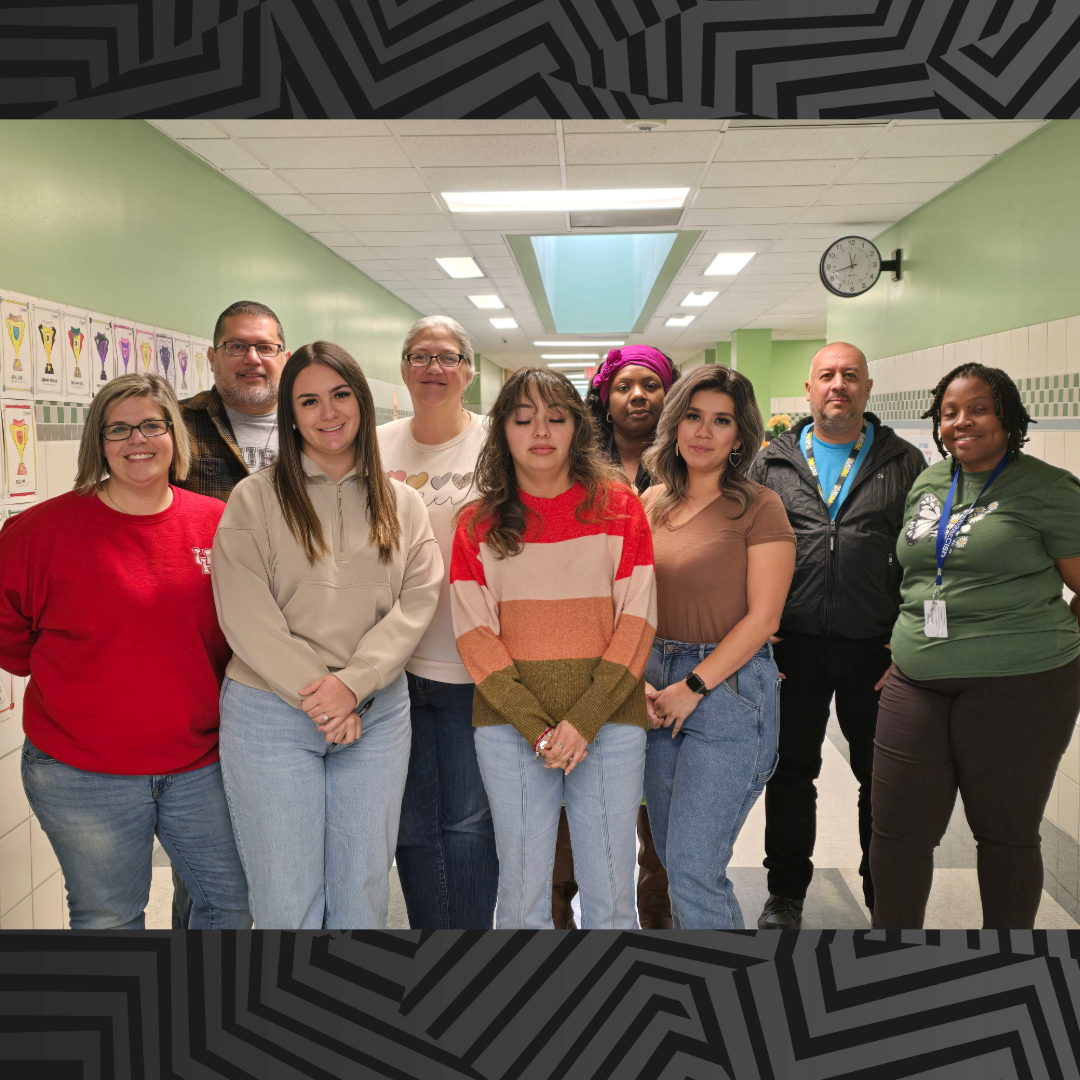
[984, 689]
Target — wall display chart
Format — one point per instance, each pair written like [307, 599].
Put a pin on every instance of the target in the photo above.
[103, 350]
[181, 367]
[77, 355]
[164, 349]
[124, 340]
[20, 448]
[18, 365]
[145, 357]
[203, 377]
[48, 350]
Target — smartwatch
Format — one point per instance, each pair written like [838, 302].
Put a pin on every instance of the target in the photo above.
[695, 684]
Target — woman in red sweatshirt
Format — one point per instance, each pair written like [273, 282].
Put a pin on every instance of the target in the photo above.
[106, 603]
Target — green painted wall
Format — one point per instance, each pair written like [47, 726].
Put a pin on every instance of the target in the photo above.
[706, 356]
[996, 251]
[751, 354]
[113, 216]
[790, 366]
[491, 381]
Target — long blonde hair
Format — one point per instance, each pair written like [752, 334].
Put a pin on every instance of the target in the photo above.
[288, 478]
[93, 465]
[668, 468]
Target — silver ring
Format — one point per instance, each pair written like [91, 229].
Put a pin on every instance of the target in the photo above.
[561, 744]
[325, 717]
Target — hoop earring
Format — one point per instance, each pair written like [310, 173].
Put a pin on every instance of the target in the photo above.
[609, 420]
[735, 457]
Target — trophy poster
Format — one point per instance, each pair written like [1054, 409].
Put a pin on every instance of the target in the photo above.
[124, 342]
[164, 348]
[103, 351]
[145, 359]
[77, 355]
[20, 448]
[18, 364]
[203, 377]
[47, 334]
[184, 369]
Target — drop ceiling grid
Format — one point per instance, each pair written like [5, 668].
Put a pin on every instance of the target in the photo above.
[369, 190]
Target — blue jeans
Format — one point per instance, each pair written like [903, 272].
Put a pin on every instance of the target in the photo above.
[446, 860]
[316, 823]
[102, 826]
[700, 785]
[602, 797]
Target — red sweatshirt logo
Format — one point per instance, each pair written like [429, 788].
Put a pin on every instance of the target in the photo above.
[202, 557]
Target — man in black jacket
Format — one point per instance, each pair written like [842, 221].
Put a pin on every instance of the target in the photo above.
[844, 477]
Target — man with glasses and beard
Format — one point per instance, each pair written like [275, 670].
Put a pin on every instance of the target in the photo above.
[233, 428]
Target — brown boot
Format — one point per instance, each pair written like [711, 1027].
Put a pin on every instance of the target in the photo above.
[653, 902]
[563, 885]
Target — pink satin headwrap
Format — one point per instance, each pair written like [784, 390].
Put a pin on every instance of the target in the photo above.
[645, 355]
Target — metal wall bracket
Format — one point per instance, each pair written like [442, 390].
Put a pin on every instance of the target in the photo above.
[893, 264]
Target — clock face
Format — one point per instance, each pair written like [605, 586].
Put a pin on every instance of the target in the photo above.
[850, 266]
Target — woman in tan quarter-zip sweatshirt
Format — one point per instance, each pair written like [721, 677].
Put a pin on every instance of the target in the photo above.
[326, 575]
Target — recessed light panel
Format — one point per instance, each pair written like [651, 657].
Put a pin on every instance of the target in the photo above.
[504, 324]
[491, 301]
[700, 299]
[463, 267]
[681, 320]
[569, 356]
[728, 263]
[578, 344]
[495, 202]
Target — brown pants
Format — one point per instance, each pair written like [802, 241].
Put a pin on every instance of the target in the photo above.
[996, 739]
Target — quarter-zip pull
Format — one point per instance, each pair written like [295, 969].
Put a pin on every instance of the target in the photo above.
[340, 528]
[832, 535]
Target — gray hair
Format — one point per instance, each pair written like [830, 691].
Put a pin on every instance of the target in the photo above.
[92, 463]
[441, 322]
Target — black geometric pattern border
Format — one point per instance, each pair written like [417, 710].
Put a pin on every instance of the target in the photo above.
[857, 1005]
[540, 58]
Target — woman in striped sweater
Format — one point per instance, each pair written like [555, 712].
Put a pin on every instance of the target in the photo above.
[554, 606]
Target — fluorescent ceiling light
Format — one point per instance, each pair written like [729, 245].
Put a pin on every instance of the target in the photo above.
[492, 301]
[504, 324]
[578, 344]
[461, 267]
[491, 202]
[728, 263]
[695, 299]
[569, 356]
[681, 320]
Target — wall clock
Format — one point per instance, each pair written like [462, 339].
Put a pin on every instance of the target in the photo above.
[853, 264]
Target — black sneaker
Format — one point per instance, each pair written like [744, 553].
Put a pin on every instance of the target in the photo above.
[781, 913]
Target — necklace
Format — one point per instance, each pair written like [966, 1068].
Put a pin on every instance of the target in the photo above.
[112, 500]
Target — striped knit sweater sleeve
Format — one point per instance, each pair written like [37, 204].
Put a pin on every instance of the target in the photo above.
[563, 629]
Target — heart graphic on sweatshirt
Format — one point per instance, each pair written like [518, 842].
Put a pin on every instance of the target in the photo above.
[417, 480]
[399, 475]
[462, 481]
[438, 481]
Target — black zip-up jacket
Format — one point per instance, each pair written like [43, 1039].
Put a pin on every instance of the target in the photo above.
[847, 577]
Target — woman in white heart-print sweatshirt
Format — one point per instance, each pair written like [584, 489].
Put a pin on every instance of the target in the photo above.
[446, 858]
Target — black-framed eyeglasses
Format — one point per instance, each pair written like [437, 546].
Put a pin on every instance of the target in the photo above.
[446, 359]
[266, 349]
[150, 429]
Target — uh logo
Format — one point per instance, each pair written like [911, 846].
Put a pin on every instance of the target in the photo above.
[202, 557]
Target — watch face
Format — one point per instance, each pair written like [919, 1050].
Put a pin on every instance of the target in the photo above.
[850, 266]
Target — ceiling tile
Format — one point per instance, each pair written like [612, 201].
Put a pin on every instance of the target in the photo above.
[500, 178]
[303, 129]
[479, 150]
[474, 237]
[482, 250]
[883, 193]
[858, 212]
[440, 251]
[259, 181]
[473, 127]
[289, 204]
[593, 177]
[313, 222]
[335, 239]
[355, 181]
[367, 153]
[528, 222]
[709, 198]
[418, 203]
[498, 262]
[793, 143]
[638, 147]
[745, 232]
[411, 264]
[948, 140]
[791, 244]
[189, 129]
[912, 170]
[357, 254]
[430, 272]
[825, 231]
[409, 239]
[381, 273]
[772, 173]
[749, 215]
[363, 223]
[223, 153]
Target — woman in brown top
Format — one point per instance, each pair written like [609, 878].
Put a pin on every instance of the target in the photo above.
[725, 554]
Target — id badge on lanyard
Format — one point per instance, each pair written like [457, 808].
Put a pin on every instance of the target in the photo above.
[936, 624]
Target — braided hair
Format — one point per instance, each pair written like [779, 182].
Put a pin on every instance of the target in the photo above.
[1008, 407]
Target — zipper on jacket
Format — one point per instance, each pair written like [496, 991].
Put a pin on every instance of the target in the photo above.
[339, 522]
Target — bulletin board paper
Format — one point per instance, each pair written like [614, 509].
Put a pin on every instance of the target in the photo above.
[184, 369]
[103, 351]
[145, 358]
[124, 341]
[20, 449]
[48, 352]
[15, 347]
[77, 355]
[164, 350]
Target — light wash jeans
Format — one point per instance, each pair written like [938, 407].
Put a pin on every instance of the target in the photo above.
[316, 823]
[700, 786]
[602, 797]
[102, 826]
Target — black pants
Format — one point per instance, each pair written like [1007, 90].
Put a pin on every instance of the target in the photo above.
[996, 740]
[816, 668]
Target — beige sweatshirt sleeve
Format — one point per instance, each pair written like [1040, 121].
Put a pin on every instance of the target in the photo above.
[249, 615]
[386, 648]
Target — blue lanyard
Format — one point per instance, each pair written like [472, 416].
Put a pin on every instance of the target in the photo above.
[946, 533]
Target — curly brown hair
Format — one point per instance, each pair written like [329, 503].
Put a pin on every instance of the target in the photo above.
[499, 505]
